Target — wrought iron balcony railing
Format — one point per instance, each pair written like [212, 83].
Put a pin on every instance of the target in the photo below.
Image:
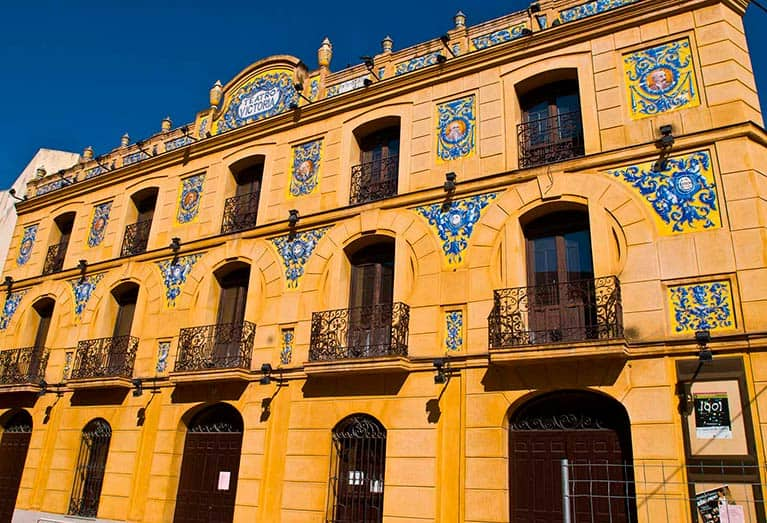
[374, 180]
[222, 346]
[360, 332]
[54, 260]
[136, 238]
[574, 311]
[21, 366]
[550, 140]
[105, 358]
[240, 213]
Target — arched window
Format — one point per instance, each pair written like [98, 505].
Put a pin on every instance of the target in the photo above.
[57, 251]
[14, 443]
[89, 470]
[207, 485]
[551, 129]
[375, 177]
[136, 235]
[241, 210]
[357, 473]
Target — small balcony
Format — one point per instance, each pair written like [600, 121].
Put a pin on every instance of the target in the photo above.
[581, 317]
[372, 338]
[54, 260]
[240, 213]
[136, 238]
[21, 370]
[550, 140]
[104, 362]
[216, 352]
[374, 180]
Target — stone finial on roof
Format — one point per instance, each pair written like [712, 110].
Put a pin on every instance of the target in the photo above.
[460, 20]
[166, 124]
[215, 94]
[88, 153]
[387, 44]
[40, 172]
[125, 140]
[325, 53]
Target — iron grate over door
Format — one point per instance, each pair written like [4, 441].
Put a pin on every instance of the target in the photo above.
[13, 453]
[89, 473]
[357, 481]
[208, 481]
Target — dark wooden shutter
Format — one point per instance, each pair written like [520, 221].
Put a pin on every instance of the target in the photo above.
[13, 454]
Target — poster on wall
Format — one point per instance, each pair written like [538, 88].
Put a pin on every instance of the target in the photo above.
[717, 506]
[712, 416]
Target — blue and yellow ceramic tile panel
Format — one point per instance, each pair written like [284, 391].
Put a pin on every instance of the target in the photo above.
[294, 250]
[99, 221]
[174, 273]
[264, 95]
[203, 128]
[454, 331]
[456, 129]
[28, 238]
[661, 79]
[286, 354]
[681, 191]
[11, 305]
[454, 223]
[82, 291]
[498, 37]
[414, 64]
[305, 169]
[163, 350]
[189, 196]
[585, 10]
[701, 306]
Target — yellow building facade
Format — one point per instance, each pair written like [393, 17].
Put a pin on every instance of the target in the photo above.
[517, 271]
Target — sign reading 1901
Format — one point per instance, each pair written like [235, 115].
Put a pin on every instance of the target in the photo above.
[259, 102]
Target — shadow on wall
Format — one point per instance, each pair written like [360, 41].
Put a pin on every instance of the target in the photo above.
[555, 375]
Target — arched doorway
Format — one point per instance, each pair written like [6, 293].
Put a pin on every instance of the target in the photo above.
[592, 432]
[208, 483]
[14, 443]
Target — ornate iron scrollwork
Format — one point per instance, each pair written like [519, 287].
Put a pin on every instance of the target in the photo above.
[549, 140]
[240, 213]
[136, 238]
[105, 358]
[569, 421]
[19, 366]
[374, 180]
[360, 332]
[574, 311]
[54, 260]
[221, 346]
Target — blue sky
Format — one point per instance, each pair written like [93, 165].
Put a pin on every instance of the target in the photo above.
[80, 73]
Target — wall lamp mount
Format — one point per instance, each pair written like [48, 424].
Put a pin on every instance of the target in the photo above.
[450, 182]
[8, 284]
[703, 338]
[369, 65]
[445, 39]
[12, 192]
[267, 375]
[82, 266]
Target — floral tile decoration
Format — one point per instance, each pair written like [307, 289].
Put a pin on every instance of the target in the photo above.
[295, 251]
[267, 94]
[28, 238]
[163, 350]
[454, 331]
[571, 14]
[416, 63]
[203, 128]
[661, 79]
[681, 191]
[12, 301]
[99, 224]
[305, 170]
[67, 365]
[456, 128]
[454, 223]
[702, 306]
[82, 291]
[189, 196]
[286, 354]
[498, 37]
[174, 273]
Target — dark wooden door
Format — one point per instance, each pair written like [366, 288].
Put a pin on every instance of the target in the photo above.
[13, 454]
[370, 302]
[597, 473]
[560, 276]
[208, 483]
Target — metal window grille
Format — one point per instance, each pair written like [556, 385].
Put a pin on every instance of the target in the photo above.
[357, 477]
[136, 238]
[661, 491]
[89, 472]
